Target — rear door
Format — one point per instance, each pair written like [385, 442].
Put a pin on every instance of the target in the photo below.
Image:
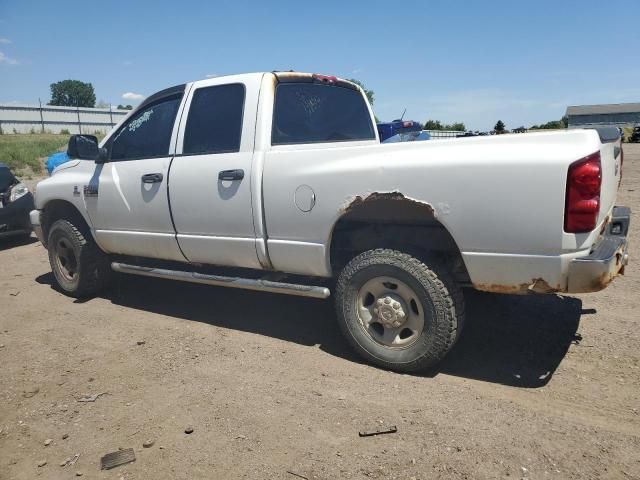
[127, 197]
[210, 184]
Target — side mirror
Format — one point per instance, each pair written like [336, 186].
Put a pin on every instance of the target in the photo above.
[83, 147]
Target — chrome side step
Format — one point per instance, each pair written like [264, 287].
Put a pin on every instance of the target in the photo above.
[220, 281]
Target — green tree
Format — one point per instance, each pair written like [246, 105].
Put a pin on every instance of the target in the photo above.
[552, 125]
[433, 125]
[458, 126]
[437, 125]
[500, 127]
[72, 93]
[369, 93]
[125, 107]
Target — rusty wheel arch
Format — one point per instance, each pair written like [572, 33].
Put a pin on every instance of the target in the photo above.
[392, 220]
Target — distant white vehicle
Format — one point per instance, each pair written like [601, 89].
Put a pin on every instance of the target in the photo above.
[278, 182]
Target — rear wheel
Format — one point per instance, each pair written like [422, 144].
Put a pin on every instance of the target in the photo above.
[80, 268]
[397, 311]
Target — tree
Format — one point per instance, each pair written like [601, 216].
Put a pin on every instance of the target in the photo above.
[458, 126]
[369, 93]
[552, 125]
[102, 104]
[437, 125]
[500, 127]
[125, 107]
[433, 125]
[72, 93]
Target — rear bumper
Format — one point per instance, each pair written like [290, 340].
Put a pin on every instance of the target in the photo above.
[607, 258]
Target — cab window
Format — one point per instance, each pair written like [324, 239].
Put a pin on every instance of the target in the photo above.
[147, 133]
[316, 113]
[214, 124]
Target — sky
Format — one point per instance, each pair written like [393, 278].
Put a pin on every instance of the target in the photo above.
[471, 61]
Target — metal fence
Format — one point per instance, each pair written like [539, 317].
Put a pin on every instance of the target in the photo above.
[49, 119]
[444, 133]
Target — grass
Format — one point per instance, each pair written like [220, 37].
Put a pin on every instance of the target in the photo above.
[628, 131]
[26, 152]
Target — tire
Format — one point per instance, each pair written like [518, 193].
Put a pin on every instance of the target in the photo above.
[80, 268]
[382, 298]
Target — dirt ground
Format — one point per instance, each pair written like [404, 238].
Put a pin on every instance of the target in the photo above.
[537, 387]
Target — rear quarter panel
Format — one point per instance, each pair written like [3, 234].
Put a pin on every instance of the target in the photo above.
[495, 195]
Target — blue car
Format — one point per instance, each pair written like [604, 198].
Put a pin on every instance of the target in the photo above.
[55, 160]
[408, 137]
[389, 129]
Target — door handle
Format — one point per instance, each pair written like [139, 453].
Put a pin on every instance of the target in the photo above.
[237, 174]
[152, 178]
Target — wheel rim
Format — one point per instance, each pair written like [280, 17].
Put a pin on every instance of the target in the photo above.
[65, 258]
[389, 312]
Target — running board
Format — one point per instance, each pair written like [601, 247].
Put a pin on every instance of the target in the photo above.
[220, 281]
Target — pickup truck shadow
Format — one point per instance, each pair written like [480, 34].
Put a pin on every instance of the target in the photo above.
[514, 340]
[510, 340]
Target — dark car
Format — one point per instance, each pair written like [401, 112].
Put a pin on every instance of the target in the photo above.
[15, 204]
[389, 129]
[467, 134]
[635, 136]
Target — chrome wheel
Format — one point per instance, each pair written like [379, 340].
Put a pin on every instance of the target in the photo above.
[389, 312]
[65, 259]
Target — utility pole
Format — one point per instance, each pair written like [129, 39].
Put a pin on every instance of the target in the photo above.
[79, 124]
[41, 117]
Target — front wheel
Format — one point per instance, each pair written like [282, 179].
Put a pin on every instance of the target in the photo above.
[398, 312]
[80, 268]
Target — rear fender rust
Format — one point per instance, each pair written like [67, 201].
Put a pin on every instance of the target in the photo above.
[536, 285]
[354, 202]
[603, 280]
[376, 210]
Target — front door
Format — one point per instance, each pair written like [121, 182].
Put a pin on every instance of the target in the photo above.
[210, 188]
[127, 198]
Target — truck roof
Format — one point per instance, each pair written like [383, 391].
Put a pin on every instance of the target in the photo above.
[288, 76]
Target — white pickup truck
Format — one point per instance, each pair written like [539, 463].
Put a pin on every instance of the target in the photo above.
[277, 182]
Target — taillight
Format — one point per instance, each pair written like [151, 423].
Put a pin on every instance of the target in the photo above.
[583, 194]
[324, 78]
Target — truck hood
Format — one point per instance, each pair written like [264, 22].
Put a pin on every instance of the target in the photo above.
[65, 166]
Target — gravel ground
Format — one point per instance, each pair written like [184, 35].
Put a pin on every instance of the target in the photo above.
[537, 387]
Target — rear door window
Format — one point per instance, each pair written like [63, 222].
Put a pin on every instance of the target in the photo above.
[316, 113]
[214, 124]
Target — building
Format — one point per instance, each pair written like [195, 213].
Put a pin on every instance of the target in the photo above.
[50, 119]
[617, 114]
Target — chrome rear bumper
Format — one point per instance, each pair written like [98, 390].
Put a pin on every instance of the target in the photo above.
[607, 259]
